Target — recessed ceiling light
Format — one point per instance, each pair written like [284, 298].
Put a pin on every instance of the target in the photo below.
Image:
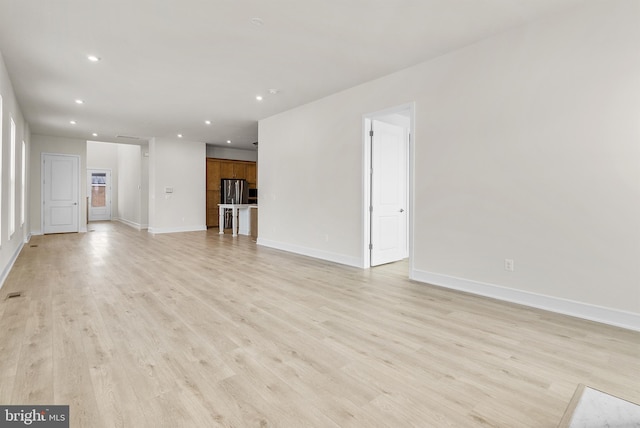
[73, 122]
[259, 97]
[93, 58]
[79, 101]
[207, 122]
[273, 91]
[94, 134]
[228, 141]
[258, 22]
[179, 135]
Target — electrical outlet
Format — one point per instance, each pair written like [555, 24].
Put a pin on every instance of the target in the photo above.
[509, 265]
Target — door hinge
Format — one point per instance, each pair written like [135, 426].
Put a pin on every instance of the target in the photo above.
[371, 133]
[371, 208]
[370, 247]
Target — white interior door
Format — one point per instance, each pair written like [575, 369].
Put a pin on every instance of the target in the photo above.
[389, 182]
[99, 194]
[61, 195]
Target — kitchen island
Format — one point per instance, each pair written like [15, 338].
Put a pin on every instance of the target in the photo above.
[241, 218]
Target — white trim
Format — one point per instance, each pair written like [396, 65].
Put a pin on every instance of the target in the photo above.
[132, 224]
[158, 230]
[9, 266]
[312, 252]
[615, 317]
[366, 192]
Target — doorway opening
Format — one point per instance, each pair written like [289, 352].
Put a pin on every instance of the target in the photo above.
[388, 205]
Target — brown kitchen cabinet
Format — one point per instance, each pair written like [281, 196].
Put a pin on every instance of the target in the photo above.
[233, 169]
[213, 199]
[226, 169]
[252, 175]
[213, 175]
[218, 169]
[239, 170]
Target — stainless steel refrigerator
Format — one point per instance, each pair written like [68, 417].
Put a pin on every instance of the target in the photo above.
[234, 191]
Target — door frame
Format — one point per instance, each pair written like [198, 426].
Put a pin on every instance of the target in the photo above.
[408, 109]
[42, 188]
[109, 192]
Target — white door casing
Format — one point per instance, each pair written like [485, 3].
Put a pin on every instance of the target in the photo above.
[60, 193]
[99, 185]
[389, 180]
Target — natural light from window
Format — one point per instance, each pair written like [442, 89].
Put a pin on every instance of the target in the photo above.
[12, 180]
[23, 184]
[1, 149]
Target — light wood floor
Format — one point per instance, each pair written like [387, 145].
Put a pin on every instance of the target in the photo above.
[201, 330]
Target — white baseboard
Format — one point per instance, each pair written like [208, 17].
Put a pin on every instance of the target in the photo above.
[157, 230]
[312, 252]
[618, 318]
[9, 265]
[132, 224]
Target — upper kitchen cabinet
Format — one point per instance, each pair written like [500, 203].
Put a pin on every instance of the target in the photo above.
[233, 169]
[213, 174]
[252, 175]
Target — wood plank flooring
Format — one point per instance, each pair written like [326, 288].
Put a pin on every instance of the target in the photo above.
[202, 330]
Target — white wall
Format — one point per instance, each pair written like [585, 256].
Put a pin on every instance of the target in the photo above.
[129, 162]
[48, 144]
[527, 147]
[233, 154]
[105, 156]
[132, 194]
[144, 186]
[180, 165]
[10, 246]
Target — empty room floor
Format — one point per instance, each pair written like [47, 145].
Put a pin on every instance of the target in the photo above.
[199, 329]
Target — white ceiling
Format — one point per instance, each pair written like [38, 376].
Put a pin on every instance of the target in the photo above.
[169, 65]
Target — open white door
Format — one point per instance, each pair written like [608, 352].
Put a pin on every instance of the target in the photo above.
[389, 154]
[61, 196]
[99, 194]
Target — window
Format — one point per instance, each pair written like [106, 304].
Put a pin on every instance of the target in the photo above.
[23, 184]
[1, 146]
[12, 180]
[98, 190]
